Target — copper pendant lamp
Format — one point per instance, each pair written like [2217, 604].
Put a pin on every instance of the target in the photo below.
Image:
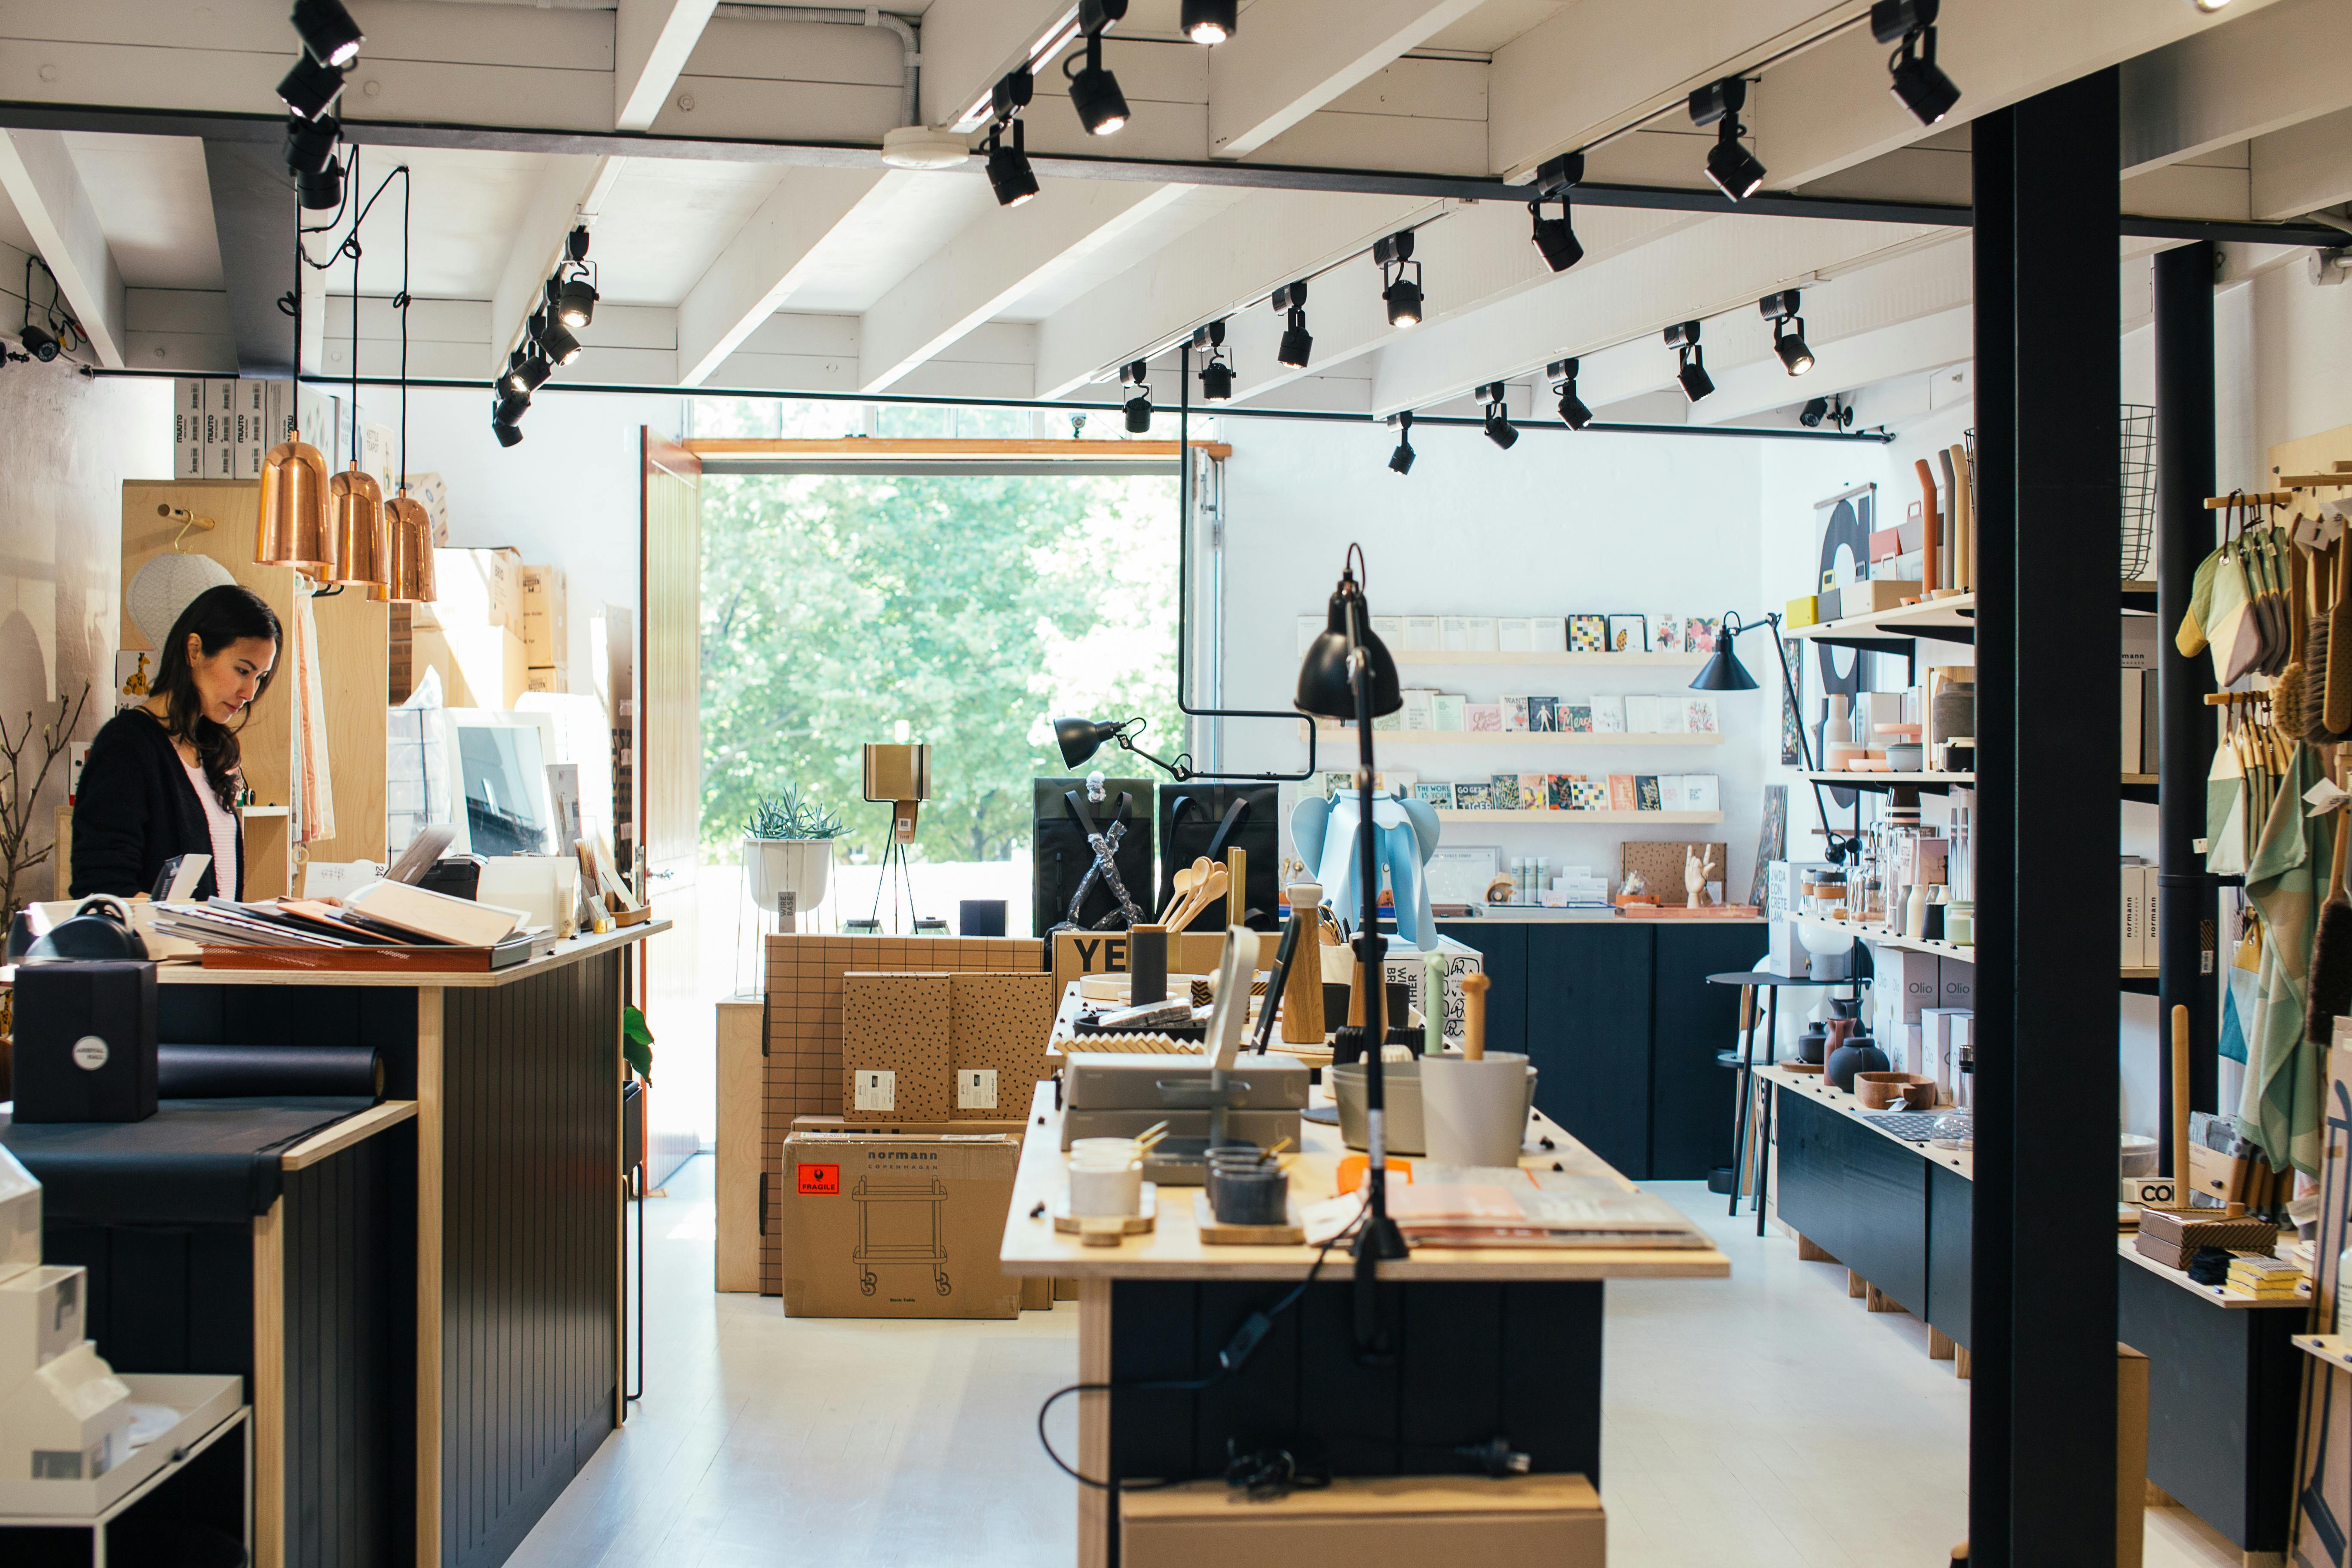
[356, 520]
[293, 530]
[408, 577]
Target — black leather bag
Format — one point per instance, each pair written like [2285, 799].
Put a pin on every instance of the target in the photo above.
[1207, 819]
[1063, 861]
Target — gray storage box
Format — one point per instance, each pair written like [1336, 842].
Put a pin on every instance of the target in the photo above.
[1263, 1128]
[1141, 1081]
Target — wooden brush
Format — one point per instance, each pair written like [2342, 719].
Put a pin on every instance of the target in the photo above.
[2338, 711]
[2329, 988]
[2287, 697]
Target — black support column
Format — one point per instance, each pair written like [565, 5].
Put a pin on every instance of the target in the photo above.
[2042, 1441]
[2187, 917]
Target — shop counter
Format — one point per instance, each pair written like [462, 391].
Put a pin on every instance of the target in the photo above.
[515, 1207]
[1488, 1341]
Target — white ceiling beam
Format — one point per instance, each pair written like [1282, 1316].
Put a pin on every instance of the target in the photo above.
[1718, 268]
[1290, 58]
[2304, 168]
[968, 45]
[1829, 109]
[2264, 73]
[995, 261]
[651, 41]
[572, 188]
[1230, 261]
[1901, 348]
[755, 276]
[39, 177]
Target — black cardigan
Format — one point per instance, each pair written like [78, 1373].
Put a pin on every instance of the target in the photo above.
[136, 809]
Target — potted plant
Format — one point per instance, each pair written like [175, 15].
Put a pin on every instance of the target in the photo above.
[788, 848]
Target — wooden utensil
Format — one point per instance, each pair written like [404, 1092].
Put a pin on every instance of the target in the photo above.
[1186, 878]
[1930, 533]
[1237, 886]
[1964, 521]
[1211, 890]
[1474, 1016]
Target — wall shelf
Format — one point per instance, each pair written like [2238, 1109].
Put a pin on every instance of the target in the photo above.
[2336, 1350]
[2129, 972]
[1583, 818]
[1536, 738]
[1933, 783]
[1623, 661]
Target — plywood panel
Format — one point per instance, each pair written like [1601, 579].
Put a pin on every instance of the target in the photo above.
[355, 661]
[743, 1096]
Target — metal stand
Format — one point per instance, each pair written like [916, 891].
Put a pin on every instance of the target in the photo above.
[633, 1190]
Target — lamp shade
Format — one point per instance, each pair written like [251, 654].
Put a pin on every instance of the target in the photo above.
[1723, 671]
[408, 572]
[1324, 688]
[1080, 739]
[293, 530]
[355, 517]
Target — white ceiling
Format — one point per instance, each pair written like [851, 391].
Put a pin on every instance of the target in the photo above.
[155, 206]
[666, 220]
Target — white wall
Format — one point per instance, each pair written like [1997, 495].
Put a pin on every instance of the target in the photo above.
[568, 496]
[72, 441]
[1559, 525]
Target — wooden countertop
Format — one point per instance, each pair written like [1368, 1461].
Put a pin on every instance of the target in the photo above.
[565, 953]
[1810, 1085]
[1174, 1249]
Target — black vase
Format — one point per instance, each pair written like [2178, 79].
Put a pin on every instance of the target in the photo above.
[1811, 1043]
[1859, 1053]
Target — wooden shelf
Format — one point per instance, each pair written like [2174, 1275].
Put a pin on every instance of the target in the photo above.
[262, 811]
[1965, 954]
[1933, 782]
[1901, 624]
[2336, 1350]
[1535, 738]
[1623, 661]
[1583, 818]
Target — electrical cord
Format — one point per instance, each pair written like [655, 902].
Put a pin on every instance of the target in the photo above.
[1230, 1360]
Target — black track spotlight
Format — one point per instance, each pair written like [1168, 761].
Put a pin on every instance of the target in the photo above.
[1009, 173]
[1401, 460]
[1779, 308]
[1217, 373]
[309, 90]
[508, 435]
[327, 31]
[526, 371]
[1833, 409]
[1732, 167]
[1298, 343]
[1683, 337]
[37, 341]
[311, 144]
[1916, 81]
[1498, 425]
[1210, 22]
[575, 301]
[1134, 379]
[1393, 253]
[1094, 92]
[1555, 237]
[554, 338]
[1562, 373]
[321, 191]
[507, 406]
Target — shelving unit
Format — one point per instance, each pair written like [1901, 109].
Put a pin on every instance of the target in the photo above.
[1585, 818]
[1952, 619]
[1934, 783]
[2336, 1350]
[1965, 954]
[1538, 738]
[1590, 660]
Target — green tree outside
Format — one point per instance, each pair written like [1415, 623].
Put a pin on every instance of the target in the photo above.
[974, 609]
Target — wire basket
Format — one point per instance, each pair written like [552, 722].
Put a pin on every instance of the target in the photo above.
[2138, 426]
[2137, 534]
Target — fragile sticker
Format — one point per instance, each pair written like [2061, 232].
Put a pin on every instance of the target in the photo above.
[820, 1181]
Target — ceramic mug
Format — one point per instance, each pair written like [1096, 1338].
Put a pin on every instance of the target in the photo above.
[1105, 1191]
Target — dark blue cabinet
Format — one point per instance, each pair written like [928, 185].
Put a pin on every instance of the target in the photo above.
[1691, 1096]
[1589, 1035]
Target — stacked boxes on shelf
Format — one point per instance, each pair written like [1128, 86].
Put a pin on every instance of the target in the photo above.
[222, 427]
[546, 630]
[473, 632]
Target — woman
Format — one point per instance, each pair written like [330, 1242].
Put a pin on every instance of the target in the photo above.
[162, 779]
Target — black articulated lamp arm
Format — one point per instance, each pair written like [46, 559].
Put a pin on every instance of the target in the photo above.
[1184, 599]
[1838, 846]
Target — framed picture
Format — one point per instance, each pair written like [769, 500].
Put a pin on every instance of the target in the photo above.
[1628, 634]
[1458, 873]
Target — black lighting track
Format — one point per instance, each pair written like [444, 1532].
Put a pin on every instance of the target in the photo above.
[117, 120]
[1224, 411]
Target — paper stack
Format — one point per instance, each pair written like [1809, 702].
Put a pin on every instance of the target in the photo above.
[2265, 1279]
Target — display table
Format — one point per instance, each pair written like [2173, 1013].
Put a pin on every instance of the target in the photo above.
[1490, 1341]
[510, 1085]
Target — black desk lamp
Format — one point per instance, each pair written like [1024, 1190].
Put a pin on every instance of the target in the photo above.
[1349, 673]
[1080, 739]
[1723, 672]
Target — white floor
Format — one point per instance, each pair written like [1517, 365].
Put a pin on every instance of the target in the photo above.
[1765, 1420]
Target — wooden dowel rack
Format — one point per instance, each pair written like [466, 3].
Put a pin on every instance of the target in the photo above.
[2253, 498]
[2234, 699]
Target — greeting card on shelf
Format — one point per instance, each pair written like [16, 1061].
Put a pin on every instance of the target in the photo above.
[1628, 634]
[1484, 718]
[1588, 795]
[1702, 791]
[1514, 633]
[1670, 792]
[1453, 633]
[1621, 796]
[1609, 715]
[1646, 793]
[1700, 716]
[1515, 715]
[1549, 634]
[1445, 710]
[1436, 794]
[1701, 632]
[1480, 633]
[1389, 629]
[1588, 633]
[1543, 716]
[1419, 711]
[1674, 715]
[1503, 792]
[1575, 718]
[1641, 714]
[1563, 791]
[1421, 635]
[1534, 792]
[1474, 796]
[1666, 634]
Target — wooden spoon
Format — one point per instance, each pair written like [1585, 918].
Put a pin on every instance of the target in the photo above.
[1209, 890]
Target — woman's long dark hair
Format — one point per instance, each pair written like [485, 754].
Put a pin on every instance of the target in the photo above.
[217, 617]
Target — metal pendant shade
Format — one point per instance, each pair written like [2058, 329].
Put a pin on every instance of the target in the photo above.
[294, 530]
[1323, 685]
[408, 574]
[356, 516]
[1080, 739]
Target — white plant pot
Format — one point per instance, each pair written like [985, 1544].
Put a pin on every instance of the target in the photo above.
[801, 867]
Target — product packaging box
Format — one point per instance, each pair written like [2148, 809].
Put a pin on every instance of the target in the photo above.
[1907, 981]
[479, 588]
[1881, 594]
[1804, 612]
[997, 1029]
[894, 1055]
[546, 623]
[1956, 980]
[881, 1225]
[188, 427]
[556, 678]
[1940, 1059]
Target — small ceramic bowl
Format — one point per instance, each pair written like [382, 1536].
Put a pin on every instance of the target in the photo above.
[2139, 1154]
[1878, 1090]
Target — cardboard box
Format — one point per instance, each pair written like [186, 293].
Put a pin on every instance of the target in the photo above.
[1104, 952]
[557, 678]
[481, 666]
[432, 492]
[479, 588]
[1880, 593]
[188, 427]
[1369, 1521]
[997, 1029]
[2131, 1456]
[895, 1058]
[877, 1224]
[546, 624]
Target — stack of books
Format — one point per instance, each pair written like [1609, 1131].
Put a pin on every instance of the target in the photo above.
[381, 915]
[2265, 1279]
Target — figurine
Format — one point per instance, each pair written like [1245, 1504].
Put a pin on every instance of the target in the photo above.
[1694, 876]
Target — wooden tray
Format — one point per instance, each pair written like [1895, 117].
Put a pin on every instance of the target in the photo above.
[1096, 1231]
[1214, 1232]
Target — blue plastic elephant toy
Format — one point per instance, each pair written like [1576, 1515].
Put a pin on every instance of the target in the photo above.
[1405, 836]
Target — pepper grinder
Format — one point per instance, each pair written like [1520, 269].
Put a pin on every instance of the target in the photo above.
[1302, 987]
